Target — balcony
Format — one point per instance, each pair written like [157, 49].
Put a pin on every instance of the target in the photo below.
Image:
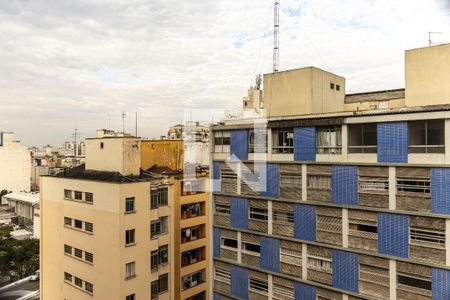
[192, 210]
[192, 256]
[192, 233]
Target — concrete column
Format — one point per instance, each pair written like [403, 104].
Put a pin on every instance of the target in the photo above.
[239, 178]
[447, 242]
[345, 227]
[304, 183]
[344, 142]
[392, 188]
[270, 285]
[447, 141]
[239, 248]
[304, 261]
[269, 217]
[344, 297]
[392, 279]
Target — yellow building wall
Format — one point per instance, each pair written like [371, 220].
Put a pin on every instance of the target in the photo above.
[427, 76]
[163, 153]
[107, 243]
[302, 91]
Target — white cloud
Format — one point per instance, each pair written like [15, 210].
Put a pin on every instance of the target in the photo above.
[79, 62]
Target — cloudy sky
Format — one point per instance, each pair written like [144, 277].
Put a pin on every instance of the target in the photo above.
[81, 63]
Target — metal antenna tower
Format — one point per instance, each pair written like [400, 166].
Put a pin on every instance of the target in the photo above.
[276, 34]
[75, 135]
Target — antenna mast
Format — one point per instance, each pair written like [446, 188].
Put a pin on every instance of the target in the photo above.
[75, 135]
[123, 122]
[276, 33]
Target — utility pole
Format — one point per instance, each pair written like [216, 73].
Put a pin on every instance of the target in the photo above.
[276, 36]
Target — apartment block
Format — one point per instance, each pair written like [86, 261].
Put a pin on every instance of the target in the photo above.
[101, 236]
[190, 223]
[334, 195]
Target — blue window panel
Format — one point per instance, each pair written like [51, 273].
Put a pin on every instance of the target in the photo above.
[239, 212]
[270, 180]
[393, 234]
[239, 144]
[216, 242]
[392, 140]
[270, 254]
[239, 282]
[216, 176]
[217, 296]
[344, 183]
[305, 222]
[440, 191]
[345, 271]
[304, 291]
[305, 143]
[440, 284]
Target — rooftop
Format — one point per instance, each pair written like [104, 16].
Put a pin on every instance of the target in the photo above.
[32, 198]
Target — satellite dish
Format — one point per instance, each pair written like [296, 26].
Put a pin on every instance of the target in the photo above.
[187, 232]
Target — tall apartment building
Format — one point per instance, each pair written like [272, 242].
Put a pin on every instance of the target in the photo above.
[15, 162]
[101, 236]
[191, 250]
[347, 197]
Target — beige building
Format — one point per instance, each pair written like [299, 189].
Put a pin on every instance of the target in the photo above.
[15, 162]
[101, 236]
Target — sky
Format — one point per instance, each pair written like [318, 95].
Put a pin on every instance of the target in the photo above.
[67, 64]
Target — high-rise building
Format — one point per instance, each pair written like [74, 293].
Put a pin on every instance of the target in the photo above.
[15, 164]
[337, 196]
[191, 247]
[101, 235]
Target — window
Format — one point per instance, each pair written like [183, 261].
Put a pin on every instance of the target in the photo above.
[221, 141]
[282, 292]
[285, 217]
[89, 227]
[283, 141]
[192, 233]
[319, 182]
[68, 194]
[68, 249]
[158, 197]
[258, 213]
[192, 210]
[328, 140]
[362, 138]
[223, 209]
[130, 237]
[257, 140]
[158, 227]
[130, 297]
[413, 185]
[363, 227]
[338, 87]
[373, 185]
[101, 145]
[228, 175]
[426, 136]
[159, 286]
[192, 280]
[78, 282]
[192, 187]
[129, 204]
[414, 282]
[67, 277]
[158, 257]
[89, 287]
[89, 197]
[78, 224]
[222, 274]
[254, 249]
[332, 86]
[192, 256]
[78, 253]
[229, 243]
[290, 180]
[430, 236]
[78, 196]
[320, 263]
[67, 221]
[89, 257]
[130, 269]
[258, 285]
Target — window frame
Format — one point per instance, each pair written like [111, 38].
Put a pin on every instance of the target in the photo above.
[324, 143]
[287, 139]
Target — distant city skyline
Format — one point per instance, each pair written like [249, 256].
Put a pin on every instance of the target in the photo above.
[82, 63]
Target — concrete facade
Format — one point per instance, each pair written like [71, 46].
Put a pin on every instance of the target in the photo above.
[15, 160]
